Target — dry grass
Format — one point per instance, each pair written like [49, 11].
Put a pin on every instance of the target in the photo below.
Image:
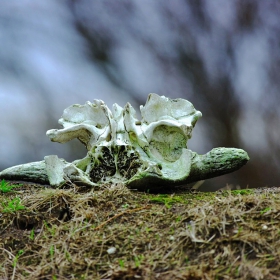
[115, 233]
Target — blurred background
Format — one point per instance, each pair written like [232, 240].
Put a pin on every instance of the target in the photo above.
[223, 56]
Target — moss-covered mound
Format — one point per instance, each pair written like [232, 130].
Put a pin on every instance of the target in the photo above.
[116, 233]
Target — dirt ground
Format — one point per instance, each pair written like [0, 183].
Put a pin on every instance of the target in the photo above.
[117, 233]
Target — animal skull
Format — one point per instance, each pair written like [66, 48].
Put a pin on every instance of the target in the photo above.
[151, 153]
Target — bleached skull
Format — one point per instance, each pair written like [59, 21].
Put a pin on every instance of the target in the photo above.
[119, 145]
[148, 154]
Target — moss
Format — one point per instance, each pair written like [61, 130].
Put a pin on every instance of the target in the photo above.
[167, 200]
[222, 235]
[242, 192]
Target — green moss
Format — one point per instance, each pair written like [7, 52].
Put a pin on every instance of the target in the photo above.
[167, 200]
[184, 198]
[195, 235]
[242, 192]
